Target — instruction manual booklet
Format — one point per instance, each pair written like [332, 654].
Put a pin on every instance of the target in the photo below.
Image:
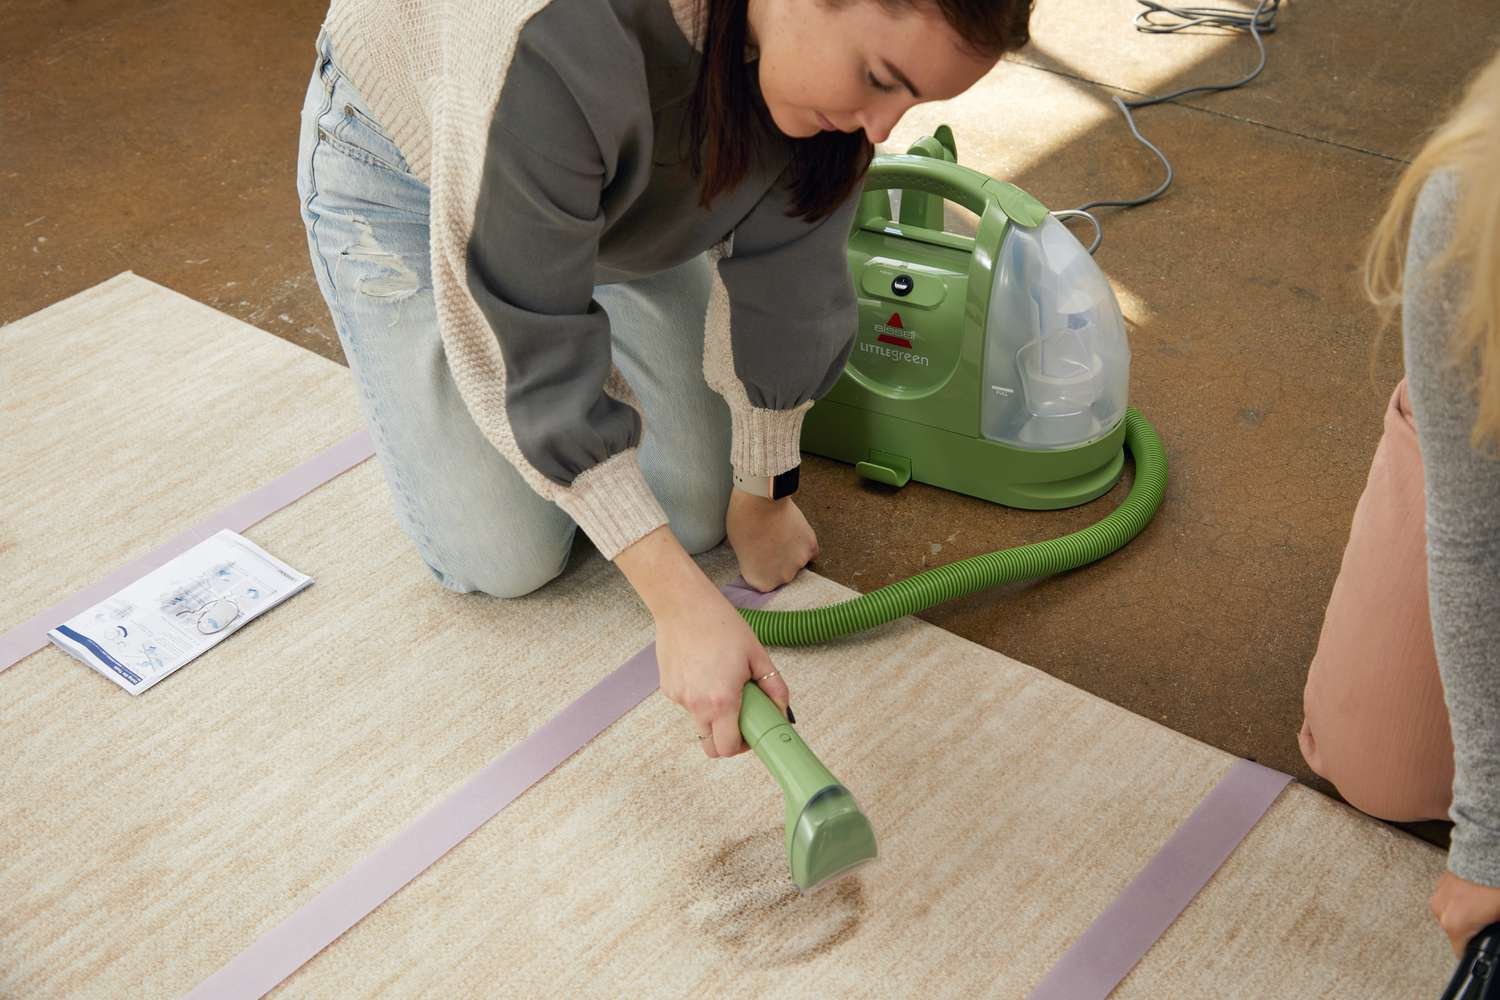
[179, 611]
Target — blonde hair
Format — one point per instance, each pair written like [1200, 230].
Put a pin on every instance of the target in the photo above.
[1468, 143]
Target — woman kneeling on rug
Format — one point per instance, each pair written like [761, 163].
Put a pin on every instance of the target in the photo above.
[557, 238]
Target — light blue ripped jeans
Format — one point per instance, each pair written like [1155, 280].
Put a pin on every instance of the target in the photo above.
[474, 520]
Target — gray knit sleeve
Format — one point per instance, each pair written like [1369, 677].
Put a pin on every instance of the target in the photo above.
[792, 306]
[781, 323]
[1463, 531]
[535, 366]
[531, 262]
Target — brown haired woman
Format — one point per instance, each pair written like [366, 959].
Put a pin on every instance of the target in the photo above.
[587, 262]
[1403, 697]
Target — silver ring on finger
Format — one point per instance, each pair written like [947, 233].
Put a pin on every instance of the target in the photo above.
[766, 676]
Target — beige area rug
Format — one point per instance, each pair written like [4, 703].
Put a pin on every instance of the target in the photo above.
[148, 840]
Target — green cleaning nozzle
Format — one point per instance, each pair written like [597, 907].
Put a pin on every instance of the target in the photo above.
[826, 834]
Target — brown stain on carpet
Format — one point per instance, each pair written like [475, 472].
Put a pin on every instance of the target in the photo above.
[745, 901]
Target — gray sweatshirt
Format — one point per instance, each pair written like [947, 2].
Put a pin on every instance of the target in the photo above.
[553, 137]
[1463, 532]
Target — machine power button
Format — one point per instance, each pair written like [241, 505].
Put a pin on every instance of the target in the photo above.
[902, 285]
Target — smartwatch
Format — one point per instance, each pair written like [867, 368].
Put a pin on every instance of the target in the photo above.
[770, 487]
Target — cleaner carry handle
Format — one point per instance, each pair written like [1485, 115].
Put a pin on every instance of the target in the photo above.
[978, 192]
[1476, 977]
[919, 209]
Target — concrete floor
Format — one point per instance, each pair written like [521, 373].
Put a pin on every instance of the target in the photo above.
[159, 136]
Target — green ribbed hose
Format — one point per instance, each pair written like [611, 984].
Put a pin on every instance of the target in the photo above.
[967, 576]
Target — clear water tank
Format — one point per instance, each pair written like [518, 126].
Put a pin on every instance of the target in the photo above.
[1056, 360]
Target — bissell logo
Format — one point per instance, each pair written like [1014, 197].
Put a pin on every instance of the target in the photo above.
[894, 333]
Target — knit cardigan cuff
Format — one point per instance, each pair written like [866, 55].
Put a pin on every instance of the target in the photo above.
[765, 442]
[613, 504]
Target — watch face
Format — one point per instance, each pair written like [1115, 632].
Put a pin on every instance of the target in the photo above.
[786, 484]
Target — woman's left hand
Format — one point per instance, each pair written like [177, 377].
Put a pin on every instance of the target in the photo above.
[1463, 909]
[771, 538]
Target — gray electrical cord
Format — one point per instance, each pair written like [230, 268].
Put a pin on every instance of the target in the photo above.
[1261, 21]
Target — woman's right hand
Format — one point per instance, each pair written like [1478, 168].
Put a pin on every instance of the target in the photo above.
[705, 652]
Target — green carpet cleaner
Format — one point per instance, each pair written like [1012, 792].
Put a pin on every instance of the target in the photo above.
[995, 366]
